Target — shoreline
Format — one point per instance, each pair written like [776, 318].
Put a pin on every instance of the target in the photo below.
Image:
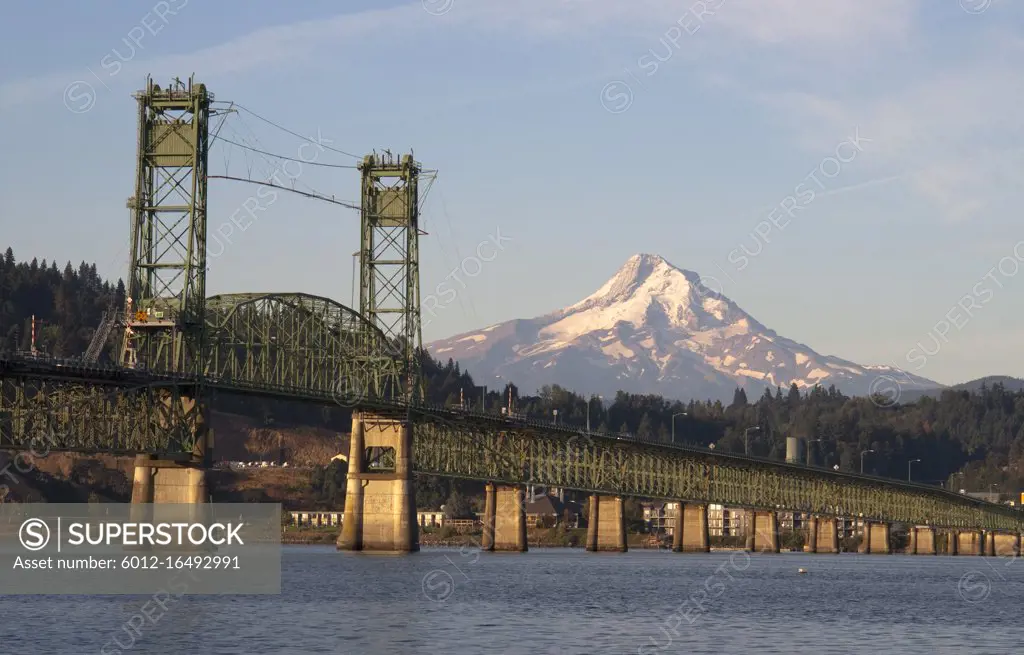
[551, 539]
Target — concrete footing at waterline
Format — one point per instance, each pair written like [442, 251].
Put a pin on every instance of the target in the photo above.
[380, 508]
[606, 526]
[168, 481]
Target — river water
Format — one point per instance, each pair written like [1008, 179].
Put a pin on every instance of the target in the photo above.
[558, 601]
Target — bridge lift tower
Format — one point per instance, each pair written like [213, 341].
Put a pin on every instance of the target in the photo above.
[389, 259]
[164, 327]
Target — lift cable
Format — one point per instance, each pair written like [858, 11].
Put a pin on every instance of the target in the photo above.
[295, 134]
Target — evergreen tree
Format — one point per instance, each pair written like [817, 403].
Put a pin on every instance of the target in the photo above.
[739, 399]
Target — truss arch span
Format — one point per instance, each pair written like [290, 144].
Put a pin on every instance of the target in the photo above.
[298, 343]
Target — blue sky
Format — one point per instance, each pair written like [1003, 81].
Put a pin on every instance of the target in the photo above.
[550, 122]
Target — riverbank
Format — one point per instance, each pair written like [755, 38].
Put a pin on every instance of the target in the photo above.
[442, 538]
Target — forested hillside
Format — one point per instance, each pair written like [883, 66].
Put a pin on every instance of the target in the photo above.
[67, 302]
[970, 439]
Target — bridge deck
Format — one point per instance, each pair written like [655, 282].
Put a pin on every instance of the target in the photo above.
[488, 447]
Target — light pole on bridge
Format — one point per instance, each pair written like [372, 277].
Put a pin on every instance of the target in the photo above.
[674, 425]
[599, 398]
[909, 464]
[810, 458]
[746, 438]
[865, 452]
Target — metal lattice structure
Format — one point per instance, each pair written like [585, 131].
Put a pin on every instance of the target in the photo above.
[77, 406]
[389, 258]
[301, 345]
[164, 311]
[493, 450]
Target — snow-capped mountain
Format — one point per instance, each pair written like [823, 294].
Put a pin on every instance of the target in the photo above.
[655, 328]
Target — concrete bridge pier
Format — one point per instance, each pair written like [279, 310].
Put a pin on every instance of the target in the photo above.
[822, 535]
[168, 481]
[828, 535]
[1007, 545]
[606, 527]
[490, 501]
[766, 532]
[509, 519]
[380, 508]
[990, 543]
[953, 542]
[750, 520]
[876, 538]
[970, 542]
[691, 535]
[922, 541]
[811, 546]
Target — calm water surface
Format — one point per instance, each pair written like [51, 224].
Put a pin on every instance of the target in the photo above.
[560, 602]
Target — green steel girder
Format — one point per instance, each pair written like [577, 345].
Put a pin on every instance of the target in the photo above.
[65, 408]
[310, 345]
[485, 450]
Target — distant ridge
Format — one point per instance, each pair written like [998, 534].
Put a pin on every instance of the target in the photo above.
[972, 386]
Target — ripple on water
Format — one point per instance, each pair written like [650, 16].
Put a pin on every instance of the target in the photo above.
[564, 602]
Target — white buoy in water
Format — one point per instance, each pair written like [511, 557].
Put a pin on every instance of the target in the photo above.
[801, 570]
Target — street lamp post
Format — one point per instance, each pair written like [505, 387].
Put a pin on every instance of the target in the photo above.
[909, 464]
[599, 397]
[810, 458]
[862, 460]
[674, 425]
[746, 438]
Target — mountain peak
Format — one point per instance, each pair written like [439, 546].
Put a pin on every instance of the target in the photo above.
[649, 290]
[653, 328]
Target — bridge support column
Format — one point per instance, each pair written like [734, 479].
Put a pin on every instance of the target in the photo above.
[912, 543]
[970, 543]
[953, 542]
[766, 532]
[1007, 545]
[142, 486]
[490, 502]
[923, 541]
[990, 543]
[607, 528]
[750, 519]
[677, 530]
[510, 519]
[827, 537]
[812, 535]
[380, 508]
[865, 538]
[693, 533]
[167, 481]
[879, 544]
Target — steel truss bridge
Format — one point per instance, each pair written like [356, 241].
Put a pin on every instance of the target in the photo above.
[178, 347]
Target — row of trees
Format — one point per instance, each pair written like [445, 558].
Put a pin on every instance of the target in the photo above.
[68, 305]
